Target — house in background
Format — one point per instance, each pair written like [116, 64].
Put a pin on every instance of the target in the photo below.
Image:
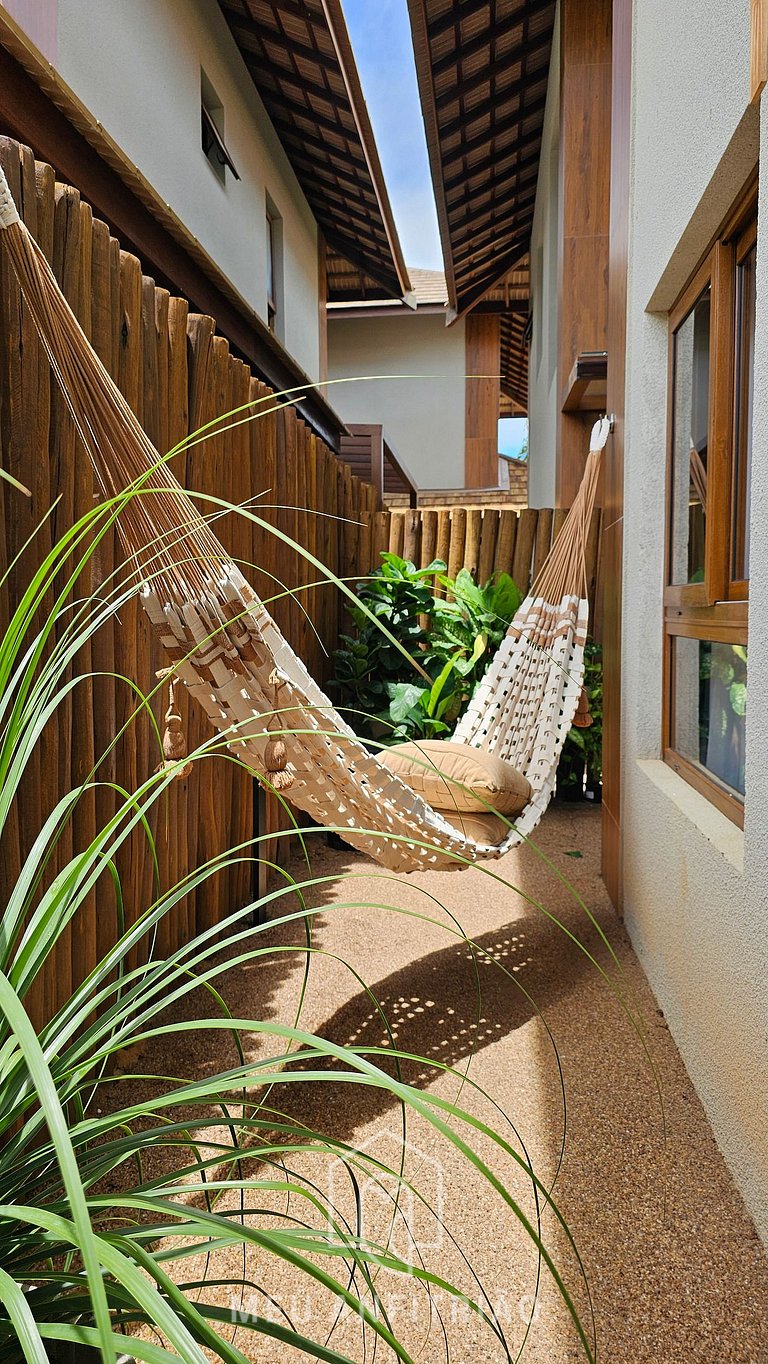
[234, 155]
[439, 420]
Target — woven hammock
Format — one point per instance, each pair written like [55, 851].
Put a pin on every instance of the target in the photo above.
[224, 645]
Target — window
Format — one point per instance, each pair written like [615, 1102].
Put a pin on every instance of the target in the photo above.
[212, 131]
[711, 348]
[274, 269]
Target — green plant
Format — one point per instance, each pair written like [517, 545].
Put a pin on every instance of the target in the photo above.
[581, 760]
[93, 1241]
[472, 619]
[368, 664]
[450, 637]
[722, 710]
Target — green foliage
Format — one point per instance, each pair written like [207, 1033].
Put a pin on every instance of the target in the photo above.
[450, 628]
[722, 710]
[582, 755]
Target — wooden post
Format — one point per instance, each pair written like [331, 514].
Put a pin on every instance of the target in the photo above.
[758, 53]
[585, 159]
[481, 448]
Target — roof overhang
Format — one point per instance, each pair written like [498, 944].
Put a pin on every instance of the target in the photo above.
[483, 70]
[300, 59]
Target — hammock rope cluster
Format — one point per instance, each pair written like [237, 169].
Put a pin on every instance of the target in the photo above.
[224, 645]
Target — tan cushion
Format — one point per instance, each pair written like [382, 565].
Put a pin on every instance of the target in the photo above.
[459, 777]
[481, 828]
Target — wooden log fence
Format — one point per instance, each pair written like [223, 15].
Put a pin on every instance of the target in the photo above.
[485, 540]
[178, 374]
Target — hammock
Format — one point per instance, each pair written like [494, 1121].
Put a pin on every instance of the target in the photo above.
[223, 644]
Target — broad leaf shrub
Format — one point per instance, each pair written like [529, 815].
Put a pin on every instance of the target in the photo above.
[450, 627]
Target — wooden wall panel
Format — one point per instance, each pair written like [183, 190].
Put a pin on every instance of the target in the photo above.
[585, 157]
[483, 398]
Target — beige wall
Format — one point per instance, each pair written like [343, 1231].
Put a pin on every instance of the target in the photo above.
[695, 886]
[422, 416]
[136, 65]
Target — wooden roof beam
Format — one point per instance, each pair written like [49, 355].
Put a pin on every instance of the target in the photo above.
[499, 155]
[264, 34]
[498, 243]
[497, 129]
[489, 106]
[349, 249]
[464, 208]
[267, 81]
[492, 35]
[462, 9]
[465, 84]
[338, 29]
[489, 279]
[306, 111]
[326, 171]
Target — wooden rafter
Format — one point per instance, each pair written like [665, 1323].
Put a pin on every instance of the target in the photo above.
[300, 59]
[483, 68]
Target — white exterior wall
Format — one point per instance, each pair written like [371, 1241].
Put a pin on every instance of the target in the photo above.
[136, 65]
[542, 362]
[423, 418]
[696, 888]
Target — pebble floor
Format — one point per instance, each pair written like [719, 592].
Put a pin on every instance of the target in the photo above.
[676, 1273]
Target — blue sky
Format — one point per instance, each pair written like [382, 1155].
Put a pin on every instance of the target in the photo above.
[381, 39]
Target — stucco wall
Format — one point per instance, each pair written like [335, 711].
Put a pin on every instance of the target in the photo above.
[137, 69]
[423, 417]
[695, 886]
[542, 363]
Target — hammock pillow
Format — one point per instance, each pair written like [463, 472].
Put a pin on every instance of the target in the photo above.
[484, 829]
[454, 777]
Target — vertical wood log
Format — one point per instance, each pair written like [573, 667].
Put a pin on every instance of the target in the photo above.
[200, 333]
[444, 535]
[488, 534]
[130, 662]
[428, 537]
[504, 555]
[176, 810]
[412, 536]
[66, 266]
[543, 540]
[458, 538]
[84, 931]
[472, 541]
[17, 515]
[523, 561]
[396, 533]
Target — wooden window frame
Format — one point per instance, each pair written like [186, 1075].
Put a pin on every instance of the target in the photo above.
[274, 256]
[715, 609]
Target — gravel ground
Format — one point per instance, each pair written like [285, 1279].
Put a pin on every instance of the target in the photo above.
[675, 1271]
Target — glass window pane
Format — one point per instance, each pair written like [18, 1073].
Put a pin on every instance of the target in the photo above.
[745, 376]
[690, 438]
[270, 262]
[710, 701]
